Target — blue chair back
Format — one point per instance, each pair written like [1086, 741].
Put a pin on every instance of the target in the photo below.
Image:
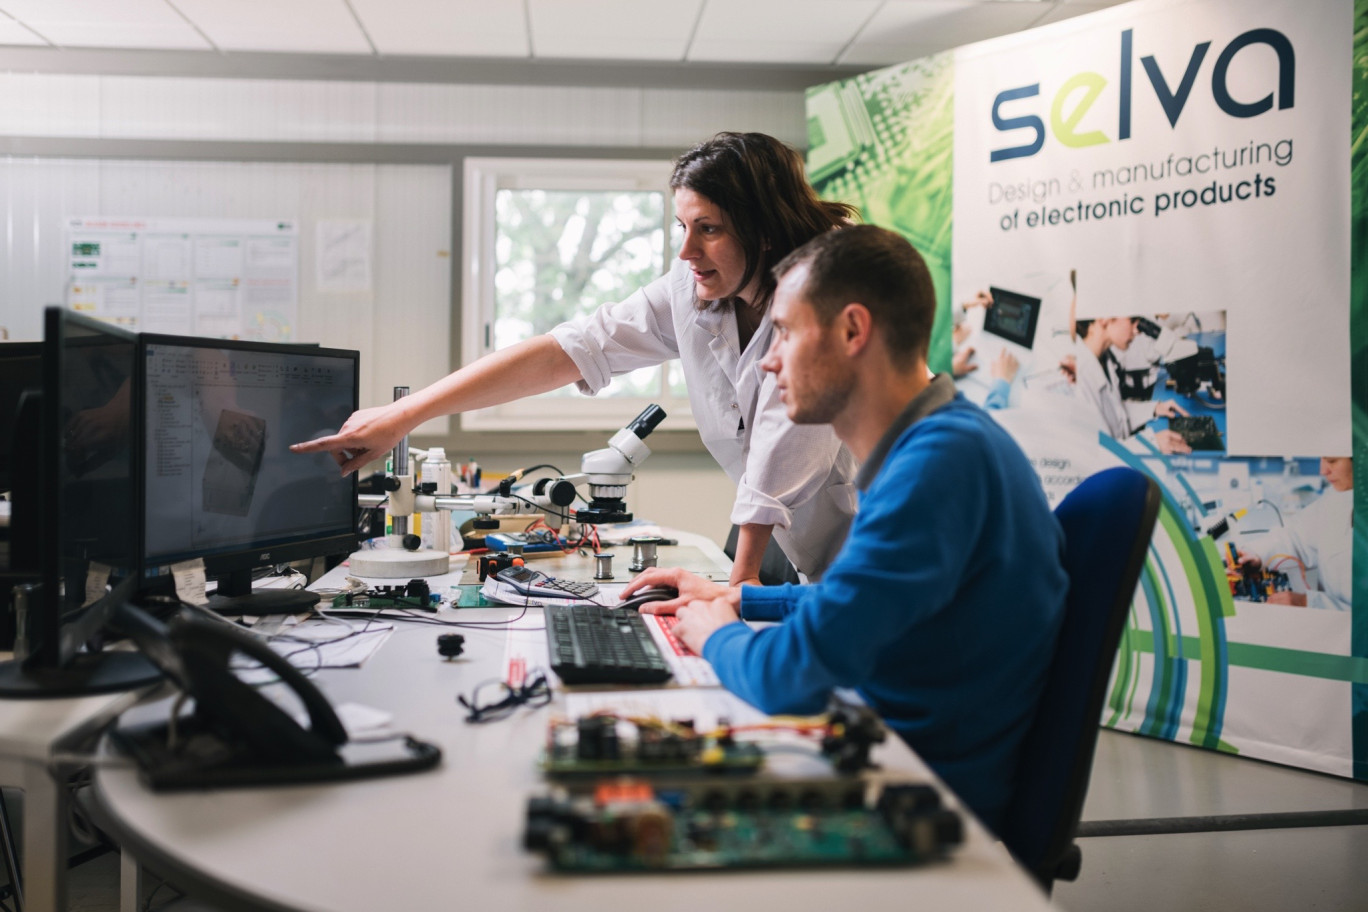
[1107, 520]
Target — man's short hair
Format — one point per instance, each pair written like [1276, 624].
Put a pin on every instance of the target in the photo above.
[872, 266]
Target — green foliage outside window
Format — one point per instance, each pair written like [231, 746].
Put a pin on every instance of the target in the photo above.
[559, 254]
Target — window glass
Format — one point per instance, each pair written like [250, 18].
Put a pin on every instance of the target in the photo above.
[562, 253]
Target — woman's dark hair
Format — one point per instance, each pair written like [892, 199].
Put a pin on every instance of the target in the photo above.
[771, 209]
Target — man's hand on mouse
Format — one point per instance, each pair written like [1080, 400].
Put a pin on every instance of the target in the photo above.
[690, 586]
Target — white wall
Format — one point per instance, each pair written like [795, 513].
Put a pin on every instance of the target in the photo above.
[405, 328]
[283, 110]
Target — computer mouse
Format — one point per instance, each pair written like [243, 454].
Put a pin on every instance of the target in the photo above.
[654, 594]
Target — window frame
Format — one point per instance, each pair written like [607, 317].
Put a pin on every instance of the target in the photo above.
[482, 179]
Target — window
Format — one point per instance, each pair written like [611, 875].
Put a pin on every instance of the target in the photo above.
[548, 240]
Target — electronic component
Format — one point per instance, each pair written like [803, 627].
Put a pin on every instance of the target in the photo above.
[450, 645]
[490, 564]
[531, 542]
[591, 644]
[703, 824]
[853, 731]
[1250, 584]
[416, 594]
[592, 745]
[1198, 431]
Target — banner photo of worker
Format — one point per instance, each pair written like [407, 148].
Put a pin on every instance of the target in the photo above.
[1148, 222]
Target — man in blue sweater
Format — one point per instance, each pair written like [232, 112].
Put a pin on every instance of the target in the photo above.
[943, 606]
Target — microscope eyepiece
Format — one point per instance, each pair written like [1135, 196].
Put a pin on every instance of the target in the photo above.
[643, 424]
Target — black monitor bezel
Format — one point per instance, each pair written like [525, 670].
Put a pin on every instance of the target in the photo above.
[14, 351]
[990, 325]
[220, 563]
[54, 667]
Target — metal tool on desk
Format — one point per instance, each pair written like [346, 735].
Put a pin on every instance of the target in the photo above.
[644, 552]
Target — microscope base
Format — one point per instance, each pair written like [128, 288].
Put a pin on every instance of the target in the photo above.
[397, 564]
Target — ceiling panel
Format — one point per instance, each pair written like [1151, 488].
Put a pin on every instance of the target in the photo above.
[1071, 8]
[907, 29]
[778, 31]
[851, 32]
[302, 26]
[469, 28]
[612, 29]
[106, 23]
[12, 32]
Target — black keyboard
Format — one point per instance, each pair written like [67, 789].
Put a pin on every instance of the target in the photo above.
[590, 644]
[1198, 431]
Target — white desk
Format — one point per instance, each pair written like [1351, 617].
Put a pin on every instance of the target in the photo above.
[451, 838]
[31, 733]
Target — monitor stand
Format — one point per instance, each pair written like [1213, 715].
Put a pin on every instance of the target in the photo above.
[87, 673]
[235, 595]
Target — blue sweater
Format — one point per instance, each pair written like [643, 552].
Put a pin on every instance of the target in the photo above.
[941, 610]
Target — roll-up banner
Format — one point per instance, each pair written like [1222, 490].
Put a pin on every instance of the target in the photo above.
[1141, 224]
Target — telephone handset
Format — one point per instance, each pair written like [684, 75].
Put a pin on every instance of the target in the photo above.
[236, 736]
[206, 648]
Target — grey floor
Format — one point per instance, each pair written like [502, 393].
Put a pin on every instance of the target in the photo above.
[1324, 869]
[1315, 868]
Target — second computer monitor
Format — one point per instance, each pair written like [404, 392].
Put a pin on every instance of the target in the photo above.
[219, 480]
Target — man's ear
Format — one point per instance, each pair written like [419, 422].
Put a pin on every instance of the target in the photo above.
[857, 326]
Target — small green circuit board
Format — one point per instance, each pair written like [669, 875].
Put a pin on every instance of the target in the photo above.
[709, 757]
[606, 744]
[379, 603]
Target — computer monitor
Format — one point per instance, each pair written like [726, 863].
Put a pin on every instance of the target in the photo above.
[74, 513]
[1013, 316]
[219, 481]
[21, 368]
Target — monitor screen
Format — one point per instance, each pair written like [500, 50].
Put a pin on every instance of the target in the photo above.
[75, 511]
[219, 480]
[21, 368]
[1013, 317]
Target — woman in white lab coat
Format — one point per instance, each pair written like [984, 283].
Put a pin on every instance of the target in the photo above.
[1320, 537]
[1097, 384]
[743, 203]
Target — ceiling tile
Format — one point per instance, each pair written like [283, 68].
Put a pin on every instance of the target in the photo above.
[1072, 8]
[907, 29]
[612, 29]
[466, 28]
[775, 31]
[12, 32]
[301, 26]
[101, 23]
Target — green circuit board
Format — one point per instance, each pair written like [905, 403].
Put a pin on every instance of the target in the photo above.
[627, 825]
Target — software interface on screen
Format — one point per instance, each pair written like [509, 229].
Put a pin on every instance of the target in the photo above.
[219, 473]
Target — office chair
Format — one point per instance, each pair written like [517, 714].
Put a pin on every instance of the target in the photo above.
[1107, 520]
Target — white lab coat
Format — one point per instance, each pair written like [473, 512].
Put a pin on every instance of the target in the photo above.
[797, 478]
[1321, 537]
[1119, 418]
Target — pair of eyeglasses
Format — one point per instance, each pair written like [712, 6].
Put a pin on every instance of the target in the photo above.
[495, 700]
